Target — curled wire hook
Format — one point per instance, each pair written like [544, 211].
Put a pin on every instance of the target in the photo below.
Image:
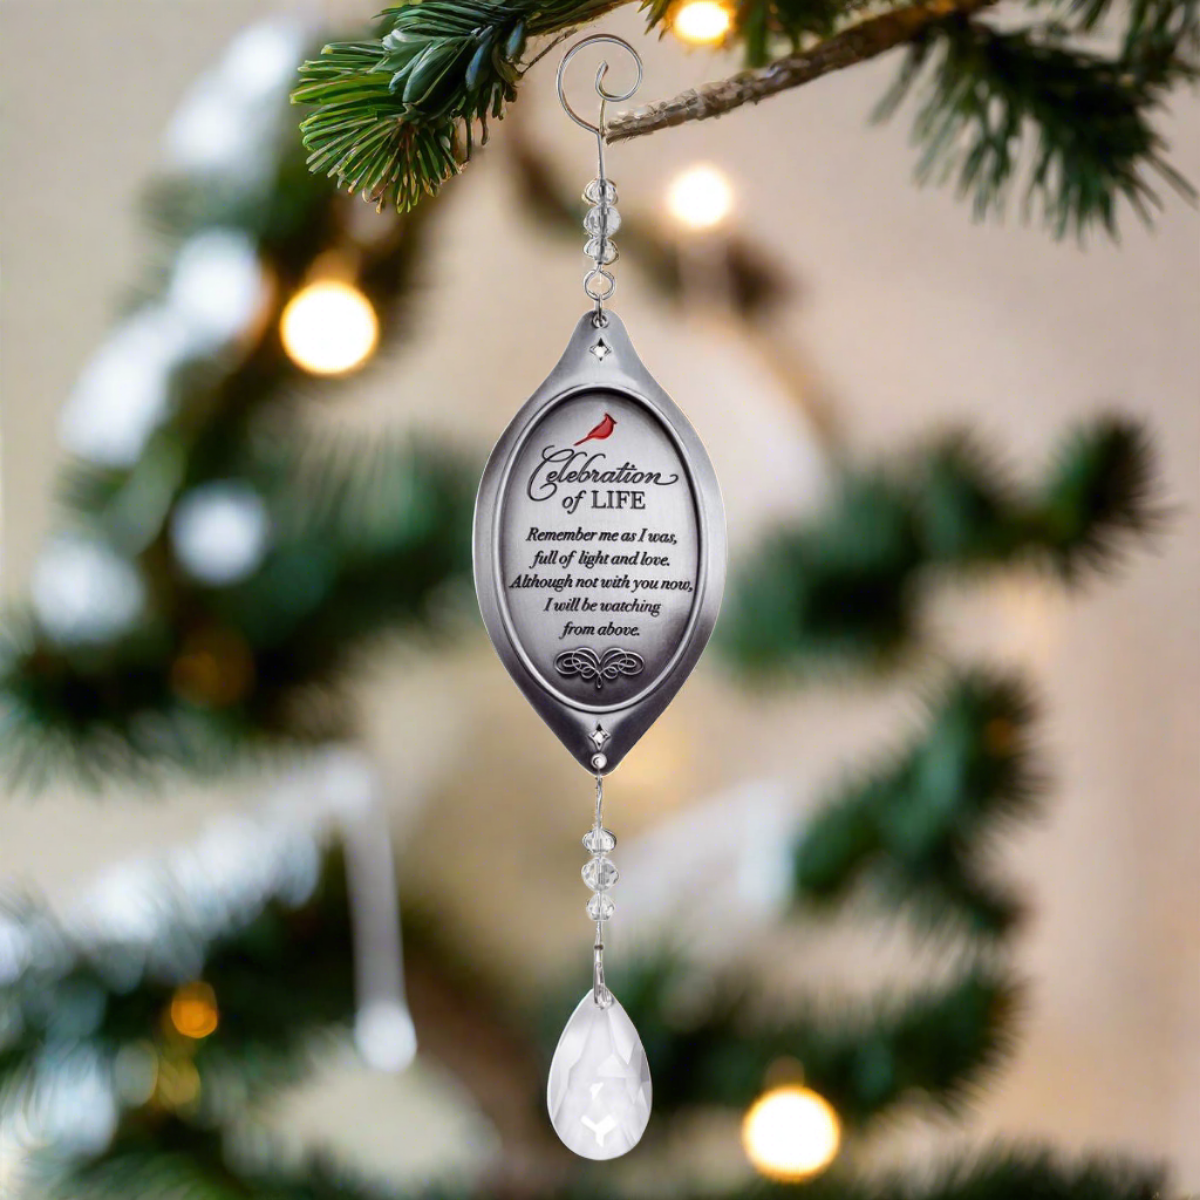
[601, 91]
[599, 284]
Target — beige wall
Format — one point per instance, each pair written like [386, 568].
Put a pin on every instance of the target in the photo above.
[910, 316]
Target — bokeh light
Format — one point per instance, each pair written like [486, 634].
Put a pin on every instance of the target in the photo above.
[194, 1010]
[329, 328]
[220, 531]
[701, 22]
[700, 198]
[791, 1133]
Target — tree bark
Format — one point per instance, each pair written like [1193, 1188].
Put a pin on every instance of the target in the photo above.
[860, 42]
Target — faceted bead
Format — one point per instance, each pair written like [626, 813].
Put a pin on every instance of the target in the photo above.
[602, 220]
[591, 193]
[599, 1092]
[602, 250]
[600, 874]
[600, 907]
[599, 841]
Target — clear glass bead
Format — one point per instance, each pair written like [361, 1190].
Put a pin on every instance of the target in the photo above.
[602, 220]
[602, 250]
[600, 874]
[591, 193]
[600, 907]
[599, 841]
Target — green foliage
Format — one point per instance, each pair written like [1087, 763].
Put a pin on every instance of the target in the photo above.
[847, 589]
[363, 538]
[101, 990]
[367, 535]
[1092, 117]
[177, 1160]
[867, 1058]
[919, 828]
[1002, 1173]
[395, 118]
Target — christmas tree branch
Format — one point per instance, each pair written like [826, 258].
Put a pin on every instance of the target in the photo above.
[859, 43]
[1001, 1173]
[918, 828]
[933, 1046]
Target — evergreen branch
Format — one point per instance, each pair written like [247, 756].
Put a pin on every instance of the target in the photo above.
[273, 943]
[848, 587]
[1101, 493]
[916, 828]
[1092, 116]
[934, 1047]
[394, 118]
[364, 537]
[1002, 1173]
[859, 43]
[179, 1160]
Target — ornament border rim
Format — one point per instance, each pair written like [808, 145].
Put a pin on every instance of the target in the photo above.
[623, 373]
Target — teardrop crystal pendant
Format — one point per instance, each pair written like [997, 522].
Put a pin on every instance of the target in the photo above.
[599, 1091]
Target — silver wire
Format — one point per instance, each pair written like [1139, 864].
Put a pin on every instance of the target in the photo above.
[599, 284]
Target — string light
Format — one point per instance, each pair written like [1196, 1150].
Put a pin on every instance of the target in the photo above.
[700, 198]
[194, 1010]
[701, 22]
[329, 328]
[791, 1133]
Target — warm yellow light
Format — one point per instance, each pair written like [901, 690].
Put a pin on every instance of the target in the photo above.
[194, 1010]
[791, 1133]
[178, 1084]
[700, 198]
[329, 328]
[701, 22]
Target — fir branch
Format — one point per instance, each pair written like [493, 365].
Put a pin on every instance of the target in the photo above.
[179, 1160]
[848, 588]
[1102, 493]
[935, 1046]
[364, 538]
[1001, 1173]
[1095, 141]
[394, 118]
[859, 43]
[918, 828]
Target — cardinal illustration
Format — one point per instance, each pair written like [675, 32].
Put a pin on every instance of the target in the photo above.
[603, 430]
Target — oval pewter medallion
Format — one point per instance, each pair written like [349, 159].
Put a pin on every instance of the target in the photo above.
[599, 547]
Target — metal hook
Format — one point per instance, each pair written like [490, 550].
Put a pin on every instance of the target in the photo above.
[599, 284]
[605, 95]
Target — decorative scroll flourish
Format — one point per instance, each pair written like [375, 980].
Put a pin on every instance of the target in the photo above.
[603, 668]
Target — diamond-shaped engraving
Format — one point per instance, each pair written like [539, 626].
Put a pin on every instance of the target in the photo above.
[599, 737]
[601, 349]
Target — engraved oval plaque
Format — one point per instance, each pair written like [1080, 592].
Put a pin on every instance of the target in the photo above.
[599, 547]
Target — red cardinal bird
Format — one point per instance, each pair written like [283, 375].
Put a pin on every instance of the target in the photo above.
[603, 430]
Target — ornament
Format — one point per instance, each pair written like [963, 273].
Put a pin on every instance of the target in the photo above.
[599, 564]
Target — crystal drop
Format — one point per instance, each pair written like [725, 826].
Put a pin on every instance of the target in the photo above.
[603, 250]
[591, 193]
[606, 220]
[599, 1089]
[600, 907]
[599, 841]
[600, 874]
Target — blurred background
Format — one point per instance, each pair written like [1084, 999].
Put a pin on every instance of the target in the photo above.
[812, 311]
